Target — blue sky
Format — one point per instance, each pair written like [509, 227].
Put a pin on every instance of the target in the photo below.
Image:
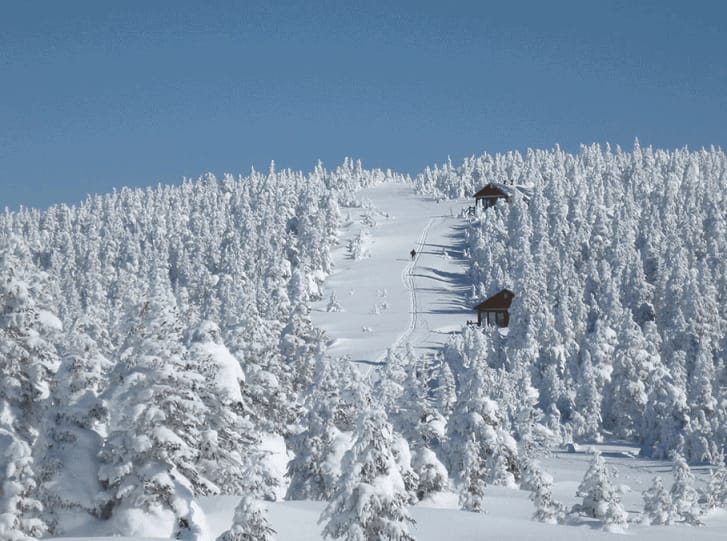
[95, 95]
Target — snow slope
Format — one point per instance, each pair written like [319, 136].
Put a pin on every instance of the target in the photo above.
[387, 299]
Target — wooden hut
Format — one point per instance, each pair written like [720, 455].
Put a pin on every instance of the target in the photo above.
[489, 195]
[495, 310]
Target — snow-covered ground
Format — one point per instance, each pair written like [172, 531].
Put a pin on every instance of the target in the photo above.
[387, 299]
[508, 511]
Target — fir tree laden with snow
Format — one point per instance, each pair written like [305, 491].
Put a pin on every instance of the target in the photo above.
[371, 500]
[600, 499]
[315, 467]
[684, 496]
[477, 417]
[250, 521]
[472, 486]
[540, 484]
[72, 438]
[19, 509]
[658, 507]
[227, 435]
[28, 360]
[716, 492]
[148, 462]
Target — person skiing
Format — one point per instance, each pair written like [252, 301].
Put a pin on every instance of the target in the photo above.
[413, 254]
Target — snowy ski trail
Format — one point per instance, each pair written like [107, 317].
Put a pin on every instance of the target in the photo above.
[387, 299]
[408, 279]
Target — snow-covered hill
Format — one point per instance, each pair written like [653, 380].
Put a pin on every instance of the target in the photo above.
[167, 351]
[385, 299]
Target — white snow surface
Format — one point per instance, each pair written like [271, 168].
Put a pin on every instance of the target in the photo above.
[230, 374]
[508, 511]
[49, 320]
[422, 301]
[386, 298]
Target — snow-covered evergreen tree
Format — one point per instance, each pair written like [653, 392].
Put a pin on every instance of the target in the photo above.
[19, 509]
[314, 469]
[600, 499]
[228, 434]
[28, 330]
[715, 495]
[74, 429]
[540, 484]
[249, 523]
[684, 495]
[371, 499]
[657, 504]
[149, 459]
[28, 360]
[477, 417]
[472, 484]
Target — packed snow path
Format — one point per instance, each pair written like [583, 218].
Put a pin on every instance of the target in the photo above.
[386, 298]
[407, 278]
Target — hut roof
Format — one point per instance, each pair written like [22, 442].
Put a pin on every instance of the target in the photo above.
[499, 301]
[495, 189]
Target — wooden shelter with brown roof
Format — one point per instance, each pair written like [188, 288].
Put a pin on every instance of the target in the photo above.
[489, 195]
[495, 310]
[493, 191]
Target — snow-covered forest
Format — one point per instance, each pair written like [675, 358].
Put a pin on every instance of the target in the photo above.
[153, 343]
[617, 261]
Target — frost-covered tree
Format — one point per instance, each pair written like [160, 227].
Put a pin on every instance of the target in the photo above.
[28, 360]
[472, 484]
[667, 411]
[421, 425]
[627, 392]
[601, 500]
[657, 504]
[684, 496]
[315, 467]
[28, 332]
[371, 499]
[477, 417]
[716, 492]
[445, 391]
[74, 429]
[149, 459]
[432, 475]
[227, 434]
[540, 484]
[19, 509]
[586, 413]
[249, 523]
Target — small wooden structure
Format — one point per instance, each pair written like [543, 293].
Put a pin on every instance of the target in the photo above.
[495, 310]
[489, 195]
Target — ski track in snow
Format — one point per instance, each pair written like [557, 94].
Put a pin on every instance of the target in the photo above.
[409, 281]
[418, 302]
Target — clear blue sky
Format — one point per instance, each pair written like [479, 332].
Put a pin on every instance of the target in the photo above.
[97, 94]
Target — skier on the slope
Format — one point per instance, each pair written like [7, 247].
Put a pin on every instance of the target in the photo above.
[413, 254]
